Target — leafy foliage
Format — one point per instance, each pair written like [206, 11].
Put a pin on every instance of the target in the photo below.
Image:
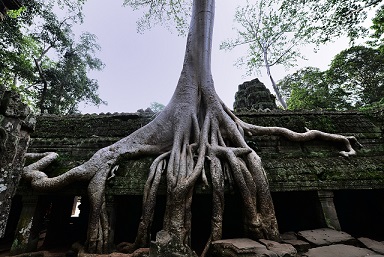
[360, 70]
[156, 107]
[309, 88]
[272, 36]
[356, 73]
[354, 80]
[333, 18]
[42, 60]
[378, 28]
[267, 31]
[170, 13]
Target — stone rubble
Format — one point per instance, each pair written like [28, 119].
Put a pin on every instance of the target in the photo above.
[282, 250]
[326, 236]
[322, 242]
[310, 243]
[338, 250]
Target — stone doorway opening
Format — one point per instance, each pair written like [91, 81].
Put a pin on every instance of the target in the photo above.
[361, 212]
[296, 210]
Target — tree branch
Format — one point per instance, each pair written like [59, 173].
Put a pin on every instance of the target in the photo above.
[45, 83]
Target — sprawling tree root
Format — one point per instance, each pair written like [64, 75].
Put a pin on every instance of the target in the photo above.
[218, 140]
[96, 172]
[194, 131]
[347, 141]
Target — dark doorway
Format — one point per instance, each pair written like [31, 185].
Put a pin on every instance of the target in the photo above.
[297, 210]
[361, 212]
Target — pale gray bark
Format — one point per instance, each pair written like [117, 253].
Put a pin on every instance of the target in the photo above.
[275, 88]
[194, 128]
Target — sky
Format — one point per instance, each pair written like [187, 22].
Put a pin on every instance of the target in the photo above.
[144, 68]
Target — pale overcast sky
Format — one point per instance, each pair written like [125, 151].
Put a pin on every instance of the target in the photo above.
[145, 68]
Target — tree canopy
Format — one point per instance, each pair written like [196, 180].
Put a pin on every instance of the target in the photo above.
[360, 71]
[42, 60]
[272, 36]
[333, 18]
[171, 14]
[309, 88]
[378, 28]
[354, 79]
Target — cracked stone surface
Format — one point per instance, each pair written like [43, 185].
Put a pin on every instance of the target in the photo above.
[283, 250]
[326, 236]
[339, 250]
[240, 247]
[300, 245]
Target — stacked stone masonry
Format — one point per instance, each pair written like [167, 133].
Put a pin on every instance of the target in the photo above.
[290, 166]
[294, 169]
[16, 123]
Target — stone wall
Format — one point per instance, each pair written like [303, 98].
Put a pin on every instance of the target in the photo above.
[15, 127]
[290, 166]
[304, 177]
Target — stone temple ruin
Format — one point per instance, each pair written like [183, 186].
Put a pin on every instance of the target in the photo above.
[314, 190]
[254, 96]
[16, 123]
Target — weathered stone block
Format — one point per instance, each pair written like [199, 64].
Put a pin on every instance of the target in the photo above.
[300, 245]
[240, 247]
[282, 250]
[16, 123]
[372, 244]
[338, 250]
[326, 236]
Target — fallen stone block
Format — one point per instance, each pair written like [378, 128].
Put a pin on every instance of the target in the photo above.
[288, 236]
[282, 250]
[339, 250]
[300, 245]
[326, 236]
[372, 244]
[240, 247]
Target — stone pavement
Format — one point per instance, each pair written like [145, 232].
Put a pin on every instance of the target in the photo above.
[310, 243]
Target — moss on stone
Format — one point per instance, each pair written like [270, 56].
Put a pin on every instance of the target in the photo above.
[289, 165]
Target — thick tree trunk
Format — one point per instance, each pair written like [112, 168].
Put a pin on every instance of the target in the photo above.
[275, 88]
[194, 92]
[45, 87]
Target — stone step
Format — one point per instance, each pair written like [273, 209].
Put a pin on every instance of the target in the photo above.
[340, 250]
[241, 247]
[326, 236]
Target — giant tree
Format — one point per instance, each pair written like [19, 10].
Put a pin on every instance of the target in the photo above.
[360, 71]
[42, 60]
[194, 133]
[272, 36]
